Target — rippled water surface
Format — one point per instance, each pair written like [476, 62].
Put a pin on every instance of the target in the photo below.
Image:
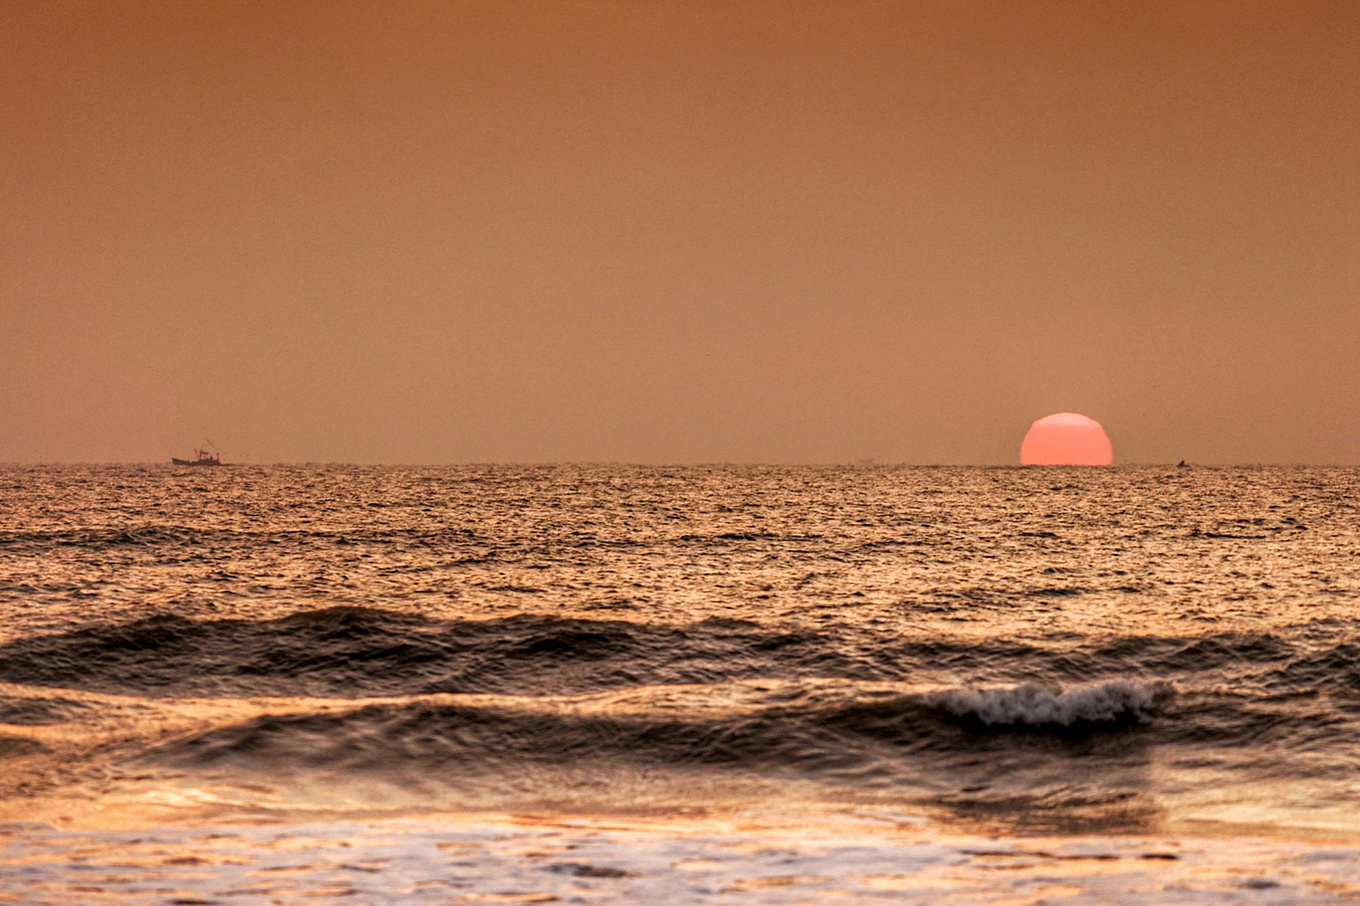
[1073, 651]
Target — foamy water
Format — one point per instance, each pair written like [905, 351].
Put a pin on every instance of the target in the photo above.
[546, 859]
[901, 662]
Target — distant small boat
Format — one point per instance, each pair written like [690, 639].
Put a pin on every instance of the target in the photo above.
[201, 458]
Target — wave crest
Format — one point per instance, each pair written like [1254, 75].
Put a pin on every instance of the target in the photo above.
[1035, 705]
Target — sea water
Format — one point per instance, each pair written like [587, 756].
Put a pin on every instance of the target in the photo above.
[679, 684]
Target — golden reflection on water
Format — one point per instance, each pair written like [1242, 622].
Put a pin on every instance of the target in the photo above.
[721, 612]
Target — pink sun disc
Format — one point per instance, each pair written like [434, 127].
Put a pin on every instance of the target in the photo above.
[1066, 439]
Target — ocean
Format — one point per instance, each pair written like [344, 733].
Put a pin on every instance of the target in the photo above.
[613, 683]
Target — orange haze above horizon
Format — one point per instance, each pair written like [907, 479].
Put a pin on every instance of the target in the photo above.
[677, 231]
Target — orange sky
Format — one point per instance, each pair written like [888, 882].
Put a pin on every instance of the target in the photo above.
[678, 231]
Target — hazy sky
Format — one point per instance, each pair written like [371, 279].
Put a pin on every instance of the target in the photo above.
[677, 231]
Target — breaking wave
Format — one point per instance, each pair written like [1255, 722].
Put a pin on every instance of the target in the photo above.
[1034, 705]
[815, 730]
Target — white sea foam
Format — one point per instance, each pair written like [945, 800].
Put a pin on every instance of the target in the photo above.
[761, 863]
[1032, 704]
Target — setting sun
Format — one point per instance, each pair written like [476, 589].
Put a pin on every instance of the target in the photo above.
[1066, 439]
[616, 493]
